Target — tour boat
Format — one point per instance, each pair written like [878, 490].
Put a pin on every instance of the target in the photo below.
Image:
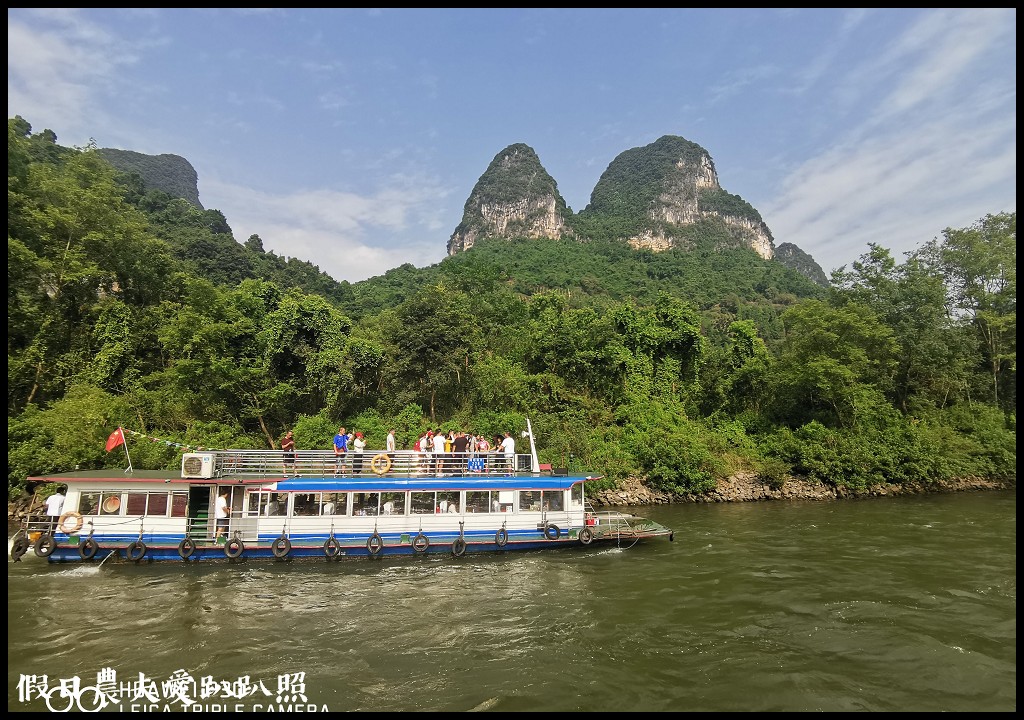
[368, 505]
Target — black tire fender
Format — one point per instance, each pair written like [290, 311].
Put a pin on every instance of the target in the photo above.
[501, 537]
[332, 548]
[136, 551]
[88, 549]
[281, 547]
[459, 547]
[552, 531]
[19, 547]
[586, 535]
[44, 545]
[186, 547]
[374, 543]
[234, 548]
[420, 543]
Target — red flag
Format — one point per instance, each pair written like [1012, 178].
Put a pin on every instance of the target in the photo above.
[116, 438]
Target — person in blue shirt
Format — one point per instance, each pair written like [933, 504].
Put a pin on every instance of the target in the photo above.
[340, 450]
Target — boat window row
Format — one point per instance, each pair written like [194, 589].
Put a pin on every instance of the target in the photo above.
[412, 503]
[151, 504]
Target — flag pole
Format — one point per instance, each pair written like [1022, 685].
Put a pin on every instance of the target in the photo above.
[124, 441]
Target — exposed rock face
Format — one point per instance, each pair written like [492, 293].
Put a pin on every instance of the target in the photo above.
[515, 197]
[796, 259]
[661, 196]
[172, 174]
[664, 190]
[746, 487]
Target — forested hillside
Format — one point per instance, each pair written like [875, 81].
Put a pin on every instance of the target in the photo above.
[128, 307]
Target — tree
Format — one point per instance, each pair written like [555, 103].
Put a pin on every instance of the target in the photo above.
[980, 266]
[934, 350]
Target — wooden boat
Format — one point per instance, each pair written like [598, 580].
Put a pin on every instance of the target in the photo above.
[379, 504]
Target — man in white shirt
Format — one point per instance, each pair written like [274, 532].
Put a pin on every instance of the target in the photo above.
[222, 513]
[508, 447]
[439, 452]
[55, 504]
[54, 507]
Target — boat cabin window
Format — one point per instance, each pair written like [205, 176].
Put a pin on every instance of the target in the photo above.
[96, 503]
[305, 504]
[529, 500]
[365, 503]
[333, 503]
[392, 503]
[553, 500]
[153, 504]
[576, 495]
[423, 503]
[143, 503]
[505, 500]
[482, 501]
[447, 502]
[267, 503]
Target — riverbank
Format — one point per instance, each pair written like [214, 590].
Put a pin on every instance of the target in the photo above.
[746, 487]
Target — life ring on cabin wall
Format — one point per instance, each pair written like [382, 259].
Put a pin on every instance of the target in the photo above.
[186, 547]
[552, 531]
[281, 547]
[380, 463]
[420, 543]
[459, 547]
[88, 549]
[111, 504]
[75, 526]
[234, 547]
[374, 543]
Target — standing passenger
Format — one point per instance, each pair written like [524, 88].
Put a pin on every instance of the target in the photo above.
[340, 448]
[358, 445]
[508, 447]
[288, 450]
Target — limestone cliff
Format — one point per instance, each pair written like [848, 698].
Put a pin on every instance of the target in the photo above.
[515, 197]
[660, 196]
[793, 257]
[171, 174]
[666, 195]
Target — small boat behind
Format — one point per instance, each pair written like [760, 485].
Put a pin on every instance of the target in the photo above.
[232, 505]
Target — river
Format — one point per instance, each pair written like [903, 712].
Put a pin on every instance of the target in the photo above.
[887, 604]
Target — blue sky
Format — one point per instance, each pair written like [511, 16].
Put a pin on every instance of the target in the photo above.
[353, 138]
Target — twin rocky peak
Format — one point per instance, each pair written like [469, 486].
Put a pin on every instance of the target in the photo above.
[660, 196]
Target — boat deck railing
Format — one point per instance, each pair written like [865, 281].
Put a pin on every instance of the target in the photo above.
[321, 463]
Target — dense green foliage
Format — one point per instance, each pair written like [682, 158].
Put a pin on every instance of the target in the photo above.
[129, 307]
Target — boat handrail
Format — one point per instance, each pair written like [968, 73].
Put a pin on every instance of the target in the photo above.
[320, 463]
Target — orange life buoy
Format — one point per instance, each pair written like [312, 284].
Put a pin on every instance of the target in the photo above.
[381, 463]
[70, 515]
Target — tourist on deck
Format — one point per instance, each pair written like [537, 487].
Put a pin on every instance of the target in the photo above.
[508, 447]
[340, 449]
[221, 514]
[358, 445]
[439, 443]
[288, 450]
[54, 508]
[389, 447]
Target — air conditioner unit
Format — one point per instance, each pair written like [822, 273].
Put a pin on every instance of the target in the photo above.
[197, 465]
